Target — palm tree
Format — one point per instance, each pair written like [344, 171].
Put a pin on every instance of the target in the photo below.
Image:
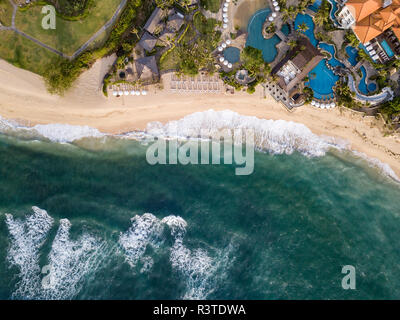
[321, 18]
[288, 13]
[302, 27]
[292, 43]
[135, 31]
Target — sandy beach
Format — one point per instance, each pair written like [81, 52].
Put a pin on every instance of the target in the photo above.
[23, 97]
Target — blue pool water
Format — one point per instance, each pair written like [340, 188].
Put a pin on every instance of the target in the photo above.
[334, 9]
[305, 18]
[232, 54]
[331, 49]
[285, 29]
[386, 47]
[353, 54]
[315, 6]
[362, 86]
[256, 40]
[322, 80]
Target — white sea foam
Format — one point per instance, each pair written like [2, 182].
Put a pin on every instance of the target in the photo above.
[69, 262]
[274, 136]
[27, 237]
[198, 269]
[65, 132]
[145, 230]
[61, 133]
[376, 163]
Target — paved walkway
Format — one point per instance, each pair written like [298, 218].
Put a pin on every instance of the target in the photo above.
[107, 25]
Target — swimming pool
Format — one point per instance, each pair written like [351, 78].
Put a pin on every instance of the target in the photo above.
[386, 47]
[331, 49]
[305, 18]
[321, 78]
[321, 81]
[362, 86]
[232, 54]
[315, 6]
[255, 38]
[353, 54]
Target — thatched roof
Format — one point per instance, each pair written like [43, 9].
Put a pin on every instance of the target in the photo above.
[154, 20]
[146, 68]
[148, 42]
[175, 21]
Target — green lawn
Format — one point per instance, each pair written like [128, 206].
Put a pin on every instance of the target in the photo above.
[68, 35]
[24, 53]
[6, 11]
[211, 5]
[170, 60]
[203, 25]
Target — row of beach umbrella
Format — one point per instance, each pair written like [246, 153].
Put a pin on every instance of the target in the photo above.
[221, 48]
[225, 14]
[323, 105]
[274, 14]
[132, 93]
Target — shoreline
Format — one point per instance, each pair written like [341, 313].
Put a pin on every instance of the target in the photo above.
[23, 98]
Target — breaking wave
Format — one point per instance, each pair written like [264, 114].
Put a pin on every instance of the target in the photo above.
[69, 262]
[273, 136]
[199, 271]
[61, 133]
[145, 230]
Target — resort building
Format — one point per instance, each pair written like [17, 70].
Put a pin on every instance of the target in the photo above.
[147, 70]
[295, 66]
[175, 21]
[148, 42]
[154, 24]
[376, 23]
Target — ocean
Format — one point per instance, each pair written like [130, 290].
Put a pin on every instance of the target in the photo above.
[83, 215]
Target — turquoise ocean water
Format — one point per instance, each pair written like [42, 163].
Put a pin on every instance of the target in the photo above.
[110, 226]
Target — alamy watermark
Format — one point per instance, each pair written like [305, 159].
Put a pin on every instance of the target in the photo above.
[349, 280]
[49, 20]
[238, 150]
